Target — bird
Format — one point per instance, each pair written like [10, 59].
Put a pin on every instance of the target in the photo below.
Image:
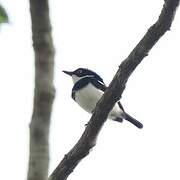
[88, 89]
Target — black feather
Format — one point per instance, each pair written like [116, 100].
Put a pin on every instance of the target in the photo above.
[118, 119]
[78, 85]
[82, 72]
[84, 82]
[133, 121]
[120, 105]
[99, 84]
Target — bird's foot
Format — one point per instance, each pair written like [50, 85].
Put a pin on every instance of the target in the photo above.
[86, 124]
[118, 119]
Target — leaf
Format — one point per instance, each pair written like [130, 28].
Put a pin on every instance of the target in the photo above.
[3, 15]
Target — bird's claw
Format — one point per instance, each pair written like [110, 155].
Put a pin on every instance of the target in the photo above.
[86, 124]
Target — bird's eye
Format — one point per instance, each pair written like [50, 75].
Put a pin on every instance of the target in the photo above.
[80, 71]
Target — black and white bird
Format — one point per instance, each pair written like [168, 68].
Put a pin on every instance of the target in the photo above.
[88, 89]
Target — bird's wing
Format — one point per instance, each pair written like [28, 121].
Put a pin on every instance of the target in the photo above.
[98, 84]
[102, 86]
[85, 81]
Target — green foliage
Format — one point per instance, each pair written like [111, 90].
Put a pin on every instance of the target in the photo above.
[3, 15]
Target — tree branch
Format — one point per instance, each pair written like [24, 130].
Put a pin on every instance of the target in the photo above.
[114, 91]
[44, 90]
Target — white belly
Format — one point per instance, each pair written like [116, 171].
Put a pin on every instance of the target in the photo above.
[88, 97]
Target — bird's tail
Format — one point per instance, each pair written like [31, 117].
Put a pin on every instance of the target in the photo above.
[132, 120]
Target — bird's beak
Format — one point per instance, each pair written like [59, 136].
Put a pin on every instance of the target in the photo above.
[68, 72]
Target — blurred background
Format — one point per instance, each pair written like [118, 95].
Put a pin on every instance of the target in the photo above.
[98, 35]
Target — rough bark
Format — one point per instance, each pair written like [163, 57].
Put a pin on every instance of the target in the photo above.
[114, 92]
[44, 91]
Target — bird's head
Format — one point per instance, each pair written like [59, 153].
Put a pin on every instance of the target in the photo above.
[82, 73]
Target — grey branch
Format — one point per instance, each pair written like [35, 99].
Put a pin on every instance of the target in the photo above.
[113, 93]
[44, 90]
